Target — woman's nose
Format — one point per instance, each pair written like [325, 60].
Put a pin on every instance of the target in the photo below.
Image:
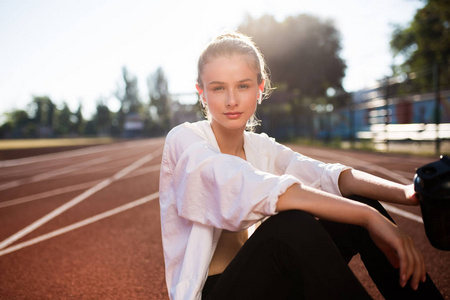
[232, 99]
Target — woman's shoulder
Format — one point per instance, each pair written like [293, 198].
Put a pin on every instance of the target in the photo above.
[259, 145]
[185, 135]
[259, 138]
[187, 129]
[263, 144]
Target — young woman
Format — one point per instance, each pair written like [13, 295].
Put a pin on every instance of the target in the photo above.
[218, 180]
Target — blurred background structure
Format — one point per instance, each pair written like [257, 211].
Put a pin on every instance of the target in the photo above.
[316, 98]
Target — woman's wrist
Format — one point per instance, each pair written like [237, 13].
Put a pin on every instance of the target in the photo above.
[403, 194]
[370, 216]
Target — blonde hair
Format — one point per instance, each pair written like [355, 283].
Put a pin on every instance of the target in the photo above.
[232, 43]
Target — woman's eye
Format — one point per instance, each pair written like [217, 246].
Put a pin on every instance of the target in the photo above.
[243, 86]
[218, 88]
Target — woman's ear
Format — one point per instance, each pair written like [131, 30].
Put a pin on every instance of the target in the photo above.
[199, 89]
[200, 93]
[261, 86]
[261, 90]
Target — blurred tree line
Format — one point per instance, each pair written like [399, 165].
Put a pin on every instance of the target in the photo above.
[135, 118]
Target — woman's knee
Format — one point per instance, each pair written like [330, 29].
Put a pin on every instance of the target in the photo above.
[293, 227]
[290, 219]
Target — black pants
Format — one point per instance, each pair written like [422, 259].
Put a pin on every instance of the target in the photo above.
[293, 256]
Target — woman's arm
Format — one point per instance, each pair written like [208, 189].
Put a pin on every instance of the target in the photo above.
[354, 182]
[398, 247]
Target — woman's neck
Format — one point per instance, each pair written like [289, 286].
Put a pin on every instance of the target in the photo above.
[230, 141]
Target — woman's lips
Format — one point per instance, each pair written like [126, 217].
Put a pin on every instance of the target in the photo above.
[233, 115]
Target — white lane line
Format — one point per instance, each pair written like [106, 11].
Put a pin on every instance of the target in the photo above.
[73, 188]
[144, 171]
[48, 194]
[406, 174]
[53, 173]
[392, 174]
[78, 152]
[80, 224]
[402, 213]
[345, 159]
[77, 200]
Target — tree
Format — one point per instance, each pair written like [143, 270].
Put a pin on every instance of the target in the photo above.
[42, 119]
[19, 125]
[42, 112]
[18, 117]
[78, 123]
[128, 96]
[303, 55]
[302, 52]
[6, 130]
[64, 123]
[160, 99]
[424, 43]
[103, 119]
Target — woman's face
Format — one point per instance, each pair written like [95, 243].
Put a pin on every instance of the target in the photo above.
[230, 90]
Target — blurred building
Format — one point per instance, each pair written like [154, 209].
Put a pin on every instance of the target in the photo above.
[185, 108]
[133, 125]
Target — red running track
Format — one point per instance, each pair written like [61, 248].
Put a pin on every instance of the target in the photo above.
[84, 224]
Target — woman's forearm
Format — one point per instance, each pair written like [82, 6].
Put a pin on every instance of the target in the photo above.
[325, 205]
[354, 182]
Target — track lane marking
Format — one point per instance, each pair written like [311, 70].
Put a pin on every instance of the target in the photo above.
[403, 213]
[54, 173]
[74, 153]
[80, 224]
[56, 212]
[73, 188]
[115, 211]
[48, 194]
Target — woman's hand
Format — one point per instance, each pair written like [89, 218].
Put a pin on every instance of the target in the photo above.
[411, 195]
[399, 248]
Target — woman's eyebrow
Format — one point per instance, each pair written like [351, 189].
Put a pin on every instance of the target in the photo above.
[216, 82]
[220, 82]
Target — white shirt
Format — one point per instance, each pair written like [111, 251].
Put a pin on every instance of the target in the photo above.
[203, 191]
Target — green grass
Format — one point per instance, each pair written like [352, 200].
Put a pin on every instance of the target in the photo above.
[45, 143]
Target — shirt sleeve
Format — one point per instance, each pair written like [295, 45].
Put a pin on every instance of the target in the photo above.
[311, 172]
[221, 190]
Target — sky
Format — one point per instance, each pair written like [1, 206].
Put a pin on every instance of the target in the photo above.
[73, 51]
